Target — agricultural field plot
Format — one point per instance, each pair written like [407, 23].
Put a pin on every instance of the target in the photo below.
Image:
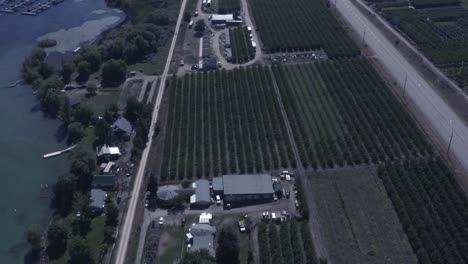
[341, 112]
[289, 242]
[227, 6]
[223, 122]
[432, 208]
[359, 222]
[441, 33]
[241, 45]
[300, 25]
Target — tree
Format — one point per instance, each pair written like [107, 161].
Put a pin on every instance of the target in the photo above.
[113, 72]
[228, 247]
[187, 16]
[199, 28]
[112, 214]
[45, 70]
[103, 132]
[84, 70]
[51, 103]
[133, 109]
[201, 256]
[53, 83]
[158, 18]
[68, 68]
[80, 252]
[83, 164]
[65, 111]
[34, 238]
[91, 55]
[109, 232]
[91, 89]
[64, 189]
[57, 236]
[75, 132]
[83, 114]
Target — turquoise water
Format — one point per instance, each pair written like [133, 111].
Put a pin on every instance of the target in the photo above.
[25, 135]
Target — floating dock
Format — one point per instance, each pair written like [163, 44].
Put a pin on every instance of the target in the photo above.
[60, 152]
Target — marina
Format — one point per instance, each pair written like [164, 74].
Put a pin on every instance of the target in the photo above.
[32, 7]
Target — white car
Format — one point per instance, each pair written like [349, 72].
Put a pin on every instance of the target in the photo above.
[218, 200]
[161, 220]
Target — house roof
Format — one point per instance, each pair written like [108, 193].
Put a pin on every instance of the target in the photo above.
[167, 192]
[205, 218]
[98, 198]
[104, 180]
[202, 230]
[203, 242]
[218, 184]
[106, 150]
[202, 191]
[216, 17]
[122, 124]
[277, 187]
[247, 184]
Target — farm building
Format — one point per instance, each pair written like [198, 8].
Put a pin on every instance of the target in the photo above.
[202, 196]
[247, 189]
[217, 185]
[166, 194]
[228, 54]
[208, 64]
[205, 218]
[227, 38]
[221, 19]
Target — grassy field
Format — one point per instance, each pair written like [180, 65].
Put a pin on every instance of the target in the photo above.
[361, 225]
[170, 246]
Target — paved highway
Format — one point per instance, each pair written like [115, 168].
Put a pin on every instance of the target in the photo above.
[443, 119]
[127, 224]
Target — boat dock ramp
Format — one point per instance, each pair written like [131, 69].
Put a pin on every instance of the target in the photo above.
[60, 152]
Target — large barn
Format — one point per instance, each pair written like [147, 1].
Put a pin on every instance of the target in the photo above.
[247, 189]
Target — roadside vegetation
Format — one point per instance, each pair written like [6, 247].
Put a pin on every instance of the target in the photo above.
[302, 25]
[224, 122]
[241, 45]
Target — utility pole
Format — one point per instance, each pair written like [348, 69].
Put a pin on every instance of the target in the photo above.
[404, 88]
[451, 137]
[362, 42]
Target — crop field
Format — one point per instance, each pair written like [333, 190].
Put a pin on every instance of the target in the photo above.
[358, 219]
[342, 113]
[290, 242]
[431, 207]
[300, 25]
[223, 122]
[241, 45]
[441, 33]
[228, 6]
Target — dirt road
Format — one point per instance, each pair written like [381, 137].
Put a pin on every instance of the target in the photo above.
[126, 229]
[445, 122]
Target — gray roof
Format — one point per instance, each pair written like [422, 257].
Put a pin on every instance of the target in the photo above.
[229, 52]
[98, 198]
[167, 192]
[202, 230]
[203, 242]
[218, 184]
[122, 124]
[202, 193]
[247, 184]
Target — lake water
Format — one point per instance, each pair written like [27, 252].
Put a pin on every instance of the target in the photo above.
[25, 135]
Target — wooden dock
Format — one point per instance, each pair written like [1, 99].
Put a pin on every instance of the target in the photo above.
[60, 152]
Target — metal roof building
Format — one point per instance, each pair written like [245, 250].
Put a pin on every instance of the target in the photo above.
[167, 192]
[202, 237]
[202, 197]
[98, 200]
[217, 184]
[247, 188]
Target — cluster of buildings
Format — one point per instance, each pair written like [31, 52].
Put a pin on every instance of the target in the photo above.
[232, 190]
[106, 156]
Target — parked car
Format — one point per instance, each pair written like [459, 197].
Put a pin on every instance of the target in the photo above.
[241, 226]
[182, 63]
[218, 200]
[161, 220]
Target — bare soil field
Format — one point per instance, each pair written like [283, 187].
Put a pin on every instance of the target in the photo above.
[359, 221]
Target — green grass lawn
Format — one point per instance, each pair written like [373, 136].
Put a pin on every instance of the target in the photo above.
[103, 100]
[156, 65]
[172, 252]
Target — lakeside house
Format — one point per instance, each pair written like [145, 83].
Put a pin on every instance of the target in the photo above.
[98, 201]
[107, 153]
[122, 128]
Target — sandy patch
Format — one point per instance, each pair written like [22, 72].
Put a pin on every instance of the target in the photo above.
[69, 39]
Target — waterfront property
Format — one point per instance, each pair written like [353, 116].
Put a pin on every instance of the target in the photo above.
[98, 201]
[107, 153]
[122, 128]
